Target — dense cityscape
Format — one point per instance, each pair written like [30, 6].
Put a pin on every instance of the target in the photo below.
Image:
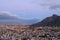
[24, 32]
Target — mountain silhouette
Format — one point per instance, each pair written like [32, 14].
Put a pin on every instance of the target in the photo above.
[5, 18]
[53, 20]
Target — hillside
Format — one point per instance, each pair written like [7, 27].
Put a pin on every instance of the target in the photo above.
[53, 20]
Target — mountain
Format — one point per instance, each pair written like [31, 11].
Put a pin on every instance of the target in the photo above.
[19, 21]
[53, 20]
[7, 18]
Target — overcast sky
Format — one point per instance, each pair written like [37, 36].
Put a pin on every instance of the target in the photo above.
[28, 9]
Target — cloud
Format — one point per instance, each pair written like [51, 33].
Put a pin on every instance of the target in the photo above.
[7, 15]
[25, 5]
[26, 8]
[55, 7]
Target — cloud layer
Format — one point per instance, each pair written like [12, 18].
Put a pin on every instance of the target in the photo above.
[7, 15]
[25, 8]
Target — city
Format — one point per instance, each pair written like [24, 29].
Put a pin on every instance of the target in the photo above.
[21, 32]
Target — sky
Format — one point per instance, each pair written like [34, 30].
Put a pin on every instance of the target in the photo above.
[30, 9]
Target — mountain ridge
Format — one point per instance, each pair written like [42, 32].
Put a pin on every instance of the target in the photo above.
[53, 20]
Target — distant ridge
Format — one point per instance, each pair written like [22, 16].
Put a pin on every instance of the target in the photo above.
[53, 20]
[7, 18]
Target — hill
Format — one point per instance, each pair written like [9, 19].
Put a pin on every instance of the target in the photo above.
[53, 20]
